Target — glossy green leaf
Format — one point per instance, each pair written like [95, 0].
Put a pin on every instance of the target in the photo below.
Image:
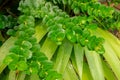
[22, 65]
[71, 35]
[27, 53]
[26, 45]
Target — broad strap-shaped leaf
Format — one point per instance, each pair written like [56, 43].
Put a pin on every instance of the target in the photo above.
[63, 56]
[12, 75]
[86, 74]
[109, 75]
[21, 76]
[34, 77]
[112, 59]
[4, 50]
[70, 73]
[111, 39]
[40, 32]
[79, 55]
[95, 64]
[111, 55]
[49, 48]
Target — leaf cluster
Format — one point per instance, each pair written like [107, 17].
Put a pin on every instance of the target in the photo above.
[78, 28]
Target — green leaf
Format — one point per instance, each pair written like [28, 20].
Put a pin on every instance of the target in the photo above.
[83, 20]
[83, 6]
[79, 55]
[27, 53]
[12, 75]
[100, 49]
[92, 26]
[69, 2]
[4, 51]
[54, 1]
[2, 24]
[22, 35]
[15, 49]
[42, 58]
[21, 76]
[112, 59]
[71, 35]
[53, 75]
[26, 19]
[64, 2]
[47, 64]
[22, 65]
[63, 56]
[76, 10]
[35, 48]
[11, 32]
[34, 77]
[14, 56]
[47, 49]
[83, 41]
[86, 33]
[26, 44]
[33, 70]
[60, 36]
[95, 65]
[70, 73]
[111, 39]
[3, 20]
[30, 31]
[42, 74]
[92, 43]
[12, 65]
[32, 40]
[7, 60]
[86, 74]
[108, 71]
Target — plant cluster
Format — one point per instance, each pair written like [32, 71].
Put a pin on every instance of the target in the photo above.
[25, 55]
[74, 24]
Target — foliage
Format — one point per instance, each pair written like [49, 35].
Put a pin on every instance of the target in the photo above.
[72, 28]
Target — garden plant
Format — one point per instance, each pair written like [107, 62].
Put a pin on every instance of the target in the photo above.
[59, 40]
